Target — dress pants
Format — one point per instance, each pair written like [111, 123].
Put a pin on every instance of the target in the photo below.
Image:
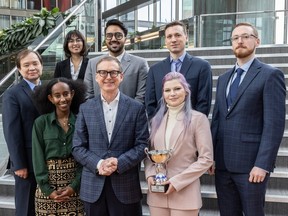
[236, 195]
[109, 205]
[25, 195]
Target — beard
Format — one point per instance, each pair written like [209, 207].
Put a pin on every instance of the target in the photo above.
[115, 49]
[243, 52]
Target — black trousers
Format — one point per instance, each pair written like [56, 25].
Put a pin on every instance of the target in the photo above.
[24, 195]
[109, 205]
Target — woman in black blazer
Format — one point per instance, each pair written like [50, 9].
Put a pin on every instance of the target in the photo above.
[75, 48]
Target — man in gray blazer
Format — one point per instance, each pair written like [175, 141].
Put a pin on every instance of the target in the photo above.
[111, 133]
[247, 127]
[135, 69]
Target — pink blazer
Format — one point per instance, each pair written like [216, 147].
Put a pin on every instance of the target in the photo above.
[184, 168]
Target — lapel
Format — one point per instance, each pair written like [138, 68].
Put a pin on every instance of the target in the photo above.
[122, 111]
[166, 65]
[177, 130]
[186, 64]
[83, 68]
[222, 89]
[249, 77]
[125, 62]
[67, 69]
[26, 88]
[99, 117]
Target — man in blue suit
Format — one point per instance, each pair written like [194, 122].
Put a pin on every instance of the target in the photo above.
[111, 133]
[196, 71]
[18, 116]
[247, 127]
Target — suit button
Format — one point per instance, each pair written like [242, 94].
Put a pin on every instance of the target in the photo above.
[108, 151]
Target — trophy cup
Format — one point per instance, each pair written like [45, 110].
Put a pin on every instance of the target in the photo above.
[159, 158]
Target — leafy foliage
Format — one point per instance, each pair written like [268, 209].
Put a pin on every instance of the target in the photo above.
[20, 34]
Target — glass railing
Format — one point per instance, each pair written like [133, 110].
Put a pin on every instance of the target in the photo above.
[51, 47]
[212, 30]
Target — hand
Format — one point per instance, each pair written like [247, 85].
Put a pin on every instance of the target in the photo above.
[211, 170]
[62, 195]
[22, 173]
[257, 175]
[171, 188]
[108, 166]
[150, 181]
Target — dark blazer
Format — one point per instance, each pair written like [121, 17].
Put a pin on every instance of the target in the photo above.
[63, 69]
[197, 73]
[18, 116]
[129, 138]
[249, 134]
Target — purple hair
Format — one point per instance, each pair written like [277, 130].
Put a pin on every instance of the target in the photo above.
[156, 120]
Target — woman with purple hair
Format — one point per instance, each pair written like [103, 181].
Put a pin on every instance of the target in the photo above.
[186, 133]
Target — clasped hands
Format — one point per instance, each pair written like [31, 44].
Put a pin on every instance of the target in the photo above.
[108, 166]
[151, 181]
[62, 194]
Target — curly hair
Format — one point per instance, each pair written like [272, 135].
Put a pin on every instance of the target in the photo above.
[45, 106]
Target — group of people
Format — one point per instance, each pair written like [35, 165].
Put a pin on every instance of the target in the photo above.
[73, 155]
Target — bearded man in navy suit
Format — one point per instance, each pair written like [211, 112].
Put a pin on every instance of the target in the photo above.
[197, 72]
[247, 127]
[111, 133]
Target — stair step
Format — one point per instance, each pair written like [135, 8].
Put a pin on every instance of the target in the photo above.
[208, 191]
[7, 202]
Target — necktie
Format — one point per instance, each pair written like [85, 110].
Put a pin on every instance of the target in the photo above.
[234, 87]
[176, 64]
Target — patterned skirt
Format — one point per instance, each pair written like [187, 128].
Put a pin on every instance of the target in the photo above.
[61, 173]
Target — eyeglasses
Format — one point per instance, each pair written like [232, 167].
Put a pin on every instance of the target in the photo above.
[243, 37]
[112, 73]
[118, 35]
[78, 40]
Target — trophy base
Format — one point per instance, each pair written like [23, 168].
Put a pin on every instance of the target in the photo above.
[159, 188]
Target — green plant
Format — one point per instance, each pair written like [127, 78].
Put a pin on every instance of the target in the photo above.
[20, 34]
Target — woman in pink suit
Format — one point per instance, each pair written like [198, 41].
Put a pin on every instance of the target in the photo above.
[187, 133]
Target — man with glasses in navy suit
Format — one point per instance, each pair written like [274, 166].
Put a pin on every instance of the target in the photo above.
[247, 127]
[111, 133]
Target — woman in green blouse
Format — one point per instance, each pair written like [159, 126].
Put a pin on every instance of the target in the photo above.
[56, 172]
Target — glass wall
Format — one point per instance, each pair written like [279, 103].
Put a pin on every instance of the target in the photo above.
[4, 21]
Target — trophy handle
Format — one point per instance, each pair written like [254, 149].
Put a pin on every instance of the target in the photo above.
[170, 154]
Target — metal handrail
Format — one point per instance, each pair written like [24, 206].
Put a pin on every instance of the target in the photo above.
[14, 70]
[241, 13]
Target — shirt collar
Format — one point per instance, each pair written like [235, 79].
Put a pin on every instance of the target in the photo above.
[181, 58]
[115, 99]
[31, 85]
[246, 66]
[53, 119]
[120, 56]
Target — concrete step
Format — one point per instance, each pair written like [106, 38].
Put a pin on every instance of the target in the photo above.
[274, 58]
[203, 51]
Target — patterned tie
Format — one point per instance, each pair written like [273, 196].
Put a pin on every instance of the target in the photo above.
[176, 65]
[234, 87]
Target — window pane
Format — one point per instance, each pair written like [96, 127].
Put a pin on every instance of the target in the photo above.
[4, 22]
[4, 3]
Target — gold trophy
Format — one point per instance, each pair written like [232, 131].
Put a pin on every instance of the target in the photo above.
[159, 158]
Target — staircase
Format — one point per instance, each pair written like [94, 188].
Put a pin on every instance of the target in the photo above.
[221, 59]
